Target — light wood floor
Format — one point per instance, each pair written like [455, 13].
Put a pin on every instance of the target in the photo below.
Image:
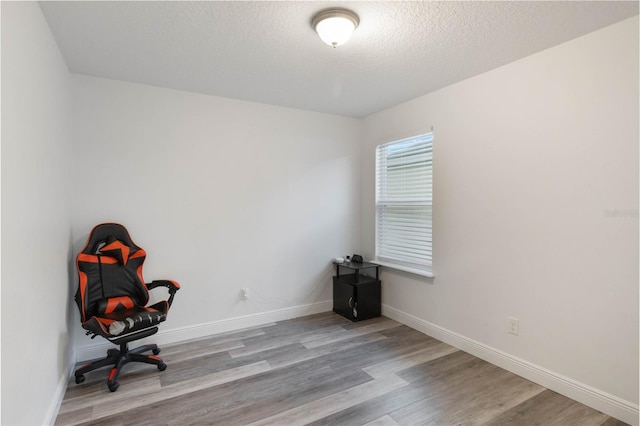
[320, 370]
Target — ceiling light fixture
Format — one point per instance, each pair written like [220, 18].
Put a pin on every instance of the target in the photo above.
[335, 26]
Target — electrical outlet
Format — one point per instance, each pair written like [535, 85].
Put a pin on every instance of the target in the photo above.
[513, 326]
[244, 293]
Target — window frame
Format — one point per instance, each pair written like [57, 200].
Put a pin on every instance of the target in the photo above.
[422, 267]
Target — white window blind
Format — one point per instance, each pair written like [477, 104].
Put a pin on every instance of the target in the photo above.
[404, 187]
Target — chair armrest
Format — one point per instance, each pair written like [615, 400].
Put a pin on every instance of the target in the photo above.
[173, 286]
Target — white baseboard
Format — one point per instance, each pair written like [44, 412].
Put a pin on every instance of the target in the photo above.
[58, 396]
[585, 394]
[167, 337]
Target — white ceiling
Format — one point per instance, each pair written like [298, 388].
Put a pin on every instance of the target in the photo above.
[267, 51]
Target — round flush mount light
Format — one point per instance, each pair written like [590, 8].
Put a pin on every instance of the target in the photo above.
[335, 26]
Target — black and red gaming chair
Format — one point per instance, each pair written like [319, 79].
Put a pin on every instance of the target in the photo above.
[112, 298]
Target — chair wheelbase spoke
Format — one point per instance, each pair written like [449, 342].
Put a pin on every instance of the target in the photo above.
[118, 359]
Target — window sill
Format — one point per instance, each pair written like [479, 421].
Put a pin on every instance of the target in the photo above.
[421, 272]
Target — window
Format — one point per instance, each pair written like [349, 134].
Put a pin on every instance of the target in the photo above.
[404, 188]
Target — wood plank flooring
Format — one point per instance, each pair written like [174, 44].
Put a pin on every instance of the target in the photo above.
[320, 370]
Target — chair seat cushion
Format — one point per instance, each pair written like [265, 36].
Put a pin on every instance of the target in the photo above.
[125, 321]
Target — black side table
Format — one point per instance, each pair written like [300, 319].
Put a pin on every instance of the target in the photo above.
[357, 296]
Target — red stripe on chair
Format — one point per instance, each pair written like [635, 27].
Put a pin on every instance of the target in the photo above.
[139, 253]
[117, 249]
[115, 302]
[105, 321]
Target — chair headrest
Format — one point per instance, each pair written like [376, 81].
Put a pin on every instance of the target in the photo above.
[111, 239]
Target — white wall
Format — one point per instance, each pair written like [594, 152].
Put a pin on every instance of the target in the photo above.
[530, 160]
[36, 217]
[222, 194]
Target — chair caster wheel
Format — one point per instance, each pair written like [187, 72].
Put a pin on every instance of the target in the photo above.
[162, 366]
[113, 386]
[156, 351]
[80, 379]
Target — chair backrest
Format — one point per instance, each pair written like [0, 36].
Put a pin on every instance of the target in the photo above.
[110, 272]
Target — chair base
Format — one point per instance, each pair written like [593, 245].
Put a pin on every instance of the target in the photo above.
[118, 358]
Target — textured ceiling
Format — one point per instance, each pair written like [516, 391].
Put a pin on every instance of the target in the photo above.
[267, 51]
